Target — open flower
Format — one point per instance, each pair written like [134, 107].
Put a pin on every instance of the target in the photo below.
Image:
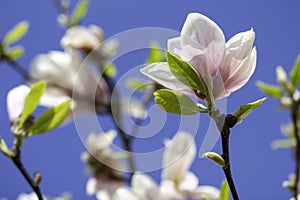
[228, 66]
[177, 183]
[102, 163]
[67, 78]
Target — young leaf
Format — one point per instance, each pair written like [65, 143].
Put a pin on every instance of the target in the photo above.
[271, 90]
[225, 191]
[79, 11]
[32, 100]
[136, 84]
[156, 54]
[51, 118]
[15, 52]
[4, 149]
[295, 73]
[283, 143]
[16, 33]
[185, 73]
[110, 70]
[176, 103]
[246, 109]
[215, 158]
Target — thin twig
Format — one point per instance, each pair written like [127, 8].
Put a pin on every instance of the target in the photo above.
[17, 161]
[295, 110]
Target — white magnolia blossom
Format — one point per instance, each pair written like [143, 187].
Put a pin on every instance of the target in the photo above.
[298, 197]
[68, 78]
[33, 196]
[90, 40]
[81, 37]
[228, 65]
[102, 162]
[177, 182]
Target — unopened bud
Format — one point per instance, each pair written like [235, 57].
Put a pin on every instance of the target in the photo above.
[215, 158]
[37, 178]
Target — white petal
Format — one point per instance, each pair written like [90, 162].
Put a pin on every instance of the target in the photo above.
[160, 72]
[91, 186]
[178, 156]
[124, 194]
[133, 107]
[53, 97]
[169, 192]
[188, 182]
[31, 196]
[15, 101]
[243, 74]
[101, 141]
[174, 45]
[205, 192]
[237, 54]
[144, 186]
[55, 67]
[201, 36]
[103, 195]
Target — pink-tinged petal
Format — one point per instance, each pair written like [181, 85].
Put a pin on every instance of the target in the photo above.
[161, 73]
[178, 156]
[144, 186]
[243, 75]
[15, 101]
[237, 54]
[169, 192]
[188, 183]
[174, 45]
[205, 192]
[204, 42]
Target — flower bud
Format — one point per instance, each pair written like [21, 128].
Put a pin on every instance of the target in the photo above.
[215, 158]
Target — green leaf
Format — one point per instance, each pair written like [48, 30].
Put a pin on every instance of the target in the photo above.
[15, 52]
[136, 84]
[51, 118]
[283, 143]
[16, 33]
[185, 73]
[32, 100]
[110, 70]
[246, 109]
[271, 90]
[4, 149]
[156, 54]
[295, 73]
[176, 103]
[79, 11]
[225, 191]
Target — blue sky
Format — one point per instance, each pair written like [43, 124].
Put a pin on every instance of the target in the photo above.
[258, 170]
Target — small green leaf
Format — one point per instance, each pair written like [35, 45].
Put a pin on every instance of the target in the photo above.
[185, 73]
[246, 109]
[110, 70]
[176, 103]
[51, 118]
[156, 54]
[15, 52]
[271, 90]
[225, 191]
[4, 149]
[283, 143]
[16, 33]
[209, 96]
[79, 11]
[295, 73]
[136, 84]
[32, 100]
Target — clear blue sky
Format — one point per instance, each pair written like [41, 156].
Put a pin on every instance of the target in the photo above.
[258, 170]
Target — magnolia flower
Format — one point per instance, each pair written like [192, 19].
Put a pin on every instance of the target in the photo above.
[90, 40]
[177, 182]
[228, 66]
[32, 196]
[80, 37]
[67, 78]
[102, 163]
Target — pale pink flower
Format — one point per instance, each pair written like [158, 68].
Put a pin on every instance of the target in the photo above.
[202, 44]
[67, 77]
